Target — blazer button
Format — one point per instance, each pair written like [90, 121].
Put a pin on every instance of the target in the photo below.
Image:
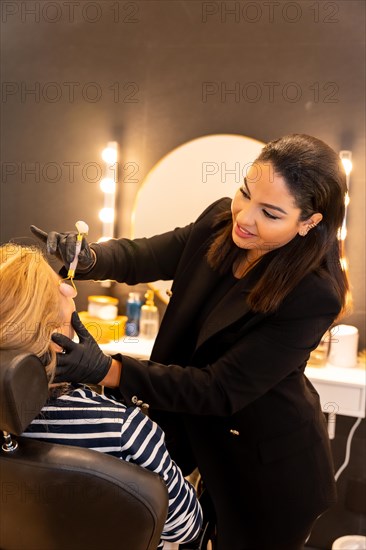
[134, 399]
[234, 432]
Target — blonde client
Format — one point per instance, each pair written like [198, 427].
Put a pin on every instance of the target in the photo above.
[34, 305]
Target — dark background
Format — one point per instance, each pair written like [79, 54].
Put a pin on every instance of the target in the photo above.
[76, 75]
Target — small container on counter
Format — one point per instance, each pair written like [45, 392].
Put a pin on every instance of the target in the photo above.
[102, 319]
[149, 319]
[103, 307]
[319, 356]
[133, 312]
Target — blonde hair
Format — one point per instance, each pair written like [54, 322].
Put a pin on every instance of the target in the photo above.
[30, 303]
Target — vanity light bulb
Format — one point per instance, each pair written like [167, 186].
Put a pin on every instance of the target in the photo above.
[109, 155]
[106, 215]
[344, 264]
[342, 233]
[107, 185]
[346, 158]
[347, 165]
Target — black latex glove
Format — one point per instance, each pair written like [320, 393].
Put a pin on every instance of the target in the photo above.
[84, 362]
[63, 246]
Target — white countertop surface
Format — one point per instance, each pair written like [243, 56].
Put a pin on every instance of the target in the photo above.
[341, 375]
[135, 346]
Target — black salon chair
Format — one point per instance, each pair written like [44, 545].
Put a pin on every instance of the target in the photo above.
[56, 497]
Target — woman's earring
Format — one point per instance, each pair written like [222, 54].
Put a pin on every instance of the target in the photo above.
[305, 230]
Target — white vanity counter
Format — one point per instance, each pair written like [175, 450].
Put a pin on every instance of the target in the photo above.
[135, 346]
[342, 390]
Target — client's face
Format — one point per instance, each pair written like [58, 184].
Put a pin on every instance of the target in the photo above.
[67, 304]
[68, 294]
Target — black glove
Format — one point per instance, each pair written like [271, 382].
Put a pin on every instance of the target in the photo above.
[63, 246]
[84, 362]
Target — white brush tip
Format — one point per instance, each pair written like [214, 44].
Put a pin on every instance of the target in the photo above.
[82, 227]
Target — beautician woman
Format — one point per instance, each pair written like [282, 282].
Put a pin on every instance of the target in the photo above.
[257, 280]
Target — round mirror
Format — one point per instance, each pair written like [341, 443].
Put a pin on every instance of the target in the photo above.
[187, 180]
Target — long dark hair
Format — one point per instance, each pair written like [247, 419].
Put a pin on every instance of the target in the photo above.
[316, 179]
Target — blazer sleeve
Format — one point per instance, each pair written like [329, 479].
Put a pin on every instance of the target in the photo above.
[257, 361]
[144, 260]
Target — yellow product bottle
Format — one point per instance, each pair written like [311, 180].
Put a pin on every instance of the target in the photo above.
[149, 319]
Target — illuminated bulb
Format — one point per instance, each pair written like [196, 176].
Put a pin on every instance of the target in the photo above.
[106, 215]
[107, 185]
[346, 158]
[344, 264]
[347, 165]
[109, 155]
[342, 233]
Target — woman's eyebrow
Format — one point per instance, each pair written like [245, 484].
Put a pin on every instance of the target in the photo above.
[266, 204]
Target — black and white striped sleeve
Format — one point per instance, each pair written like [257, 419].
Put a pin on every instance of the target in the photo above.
[144, 444]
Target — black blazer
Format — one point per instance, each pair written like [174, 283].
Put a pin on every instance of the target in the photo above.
[238, 404]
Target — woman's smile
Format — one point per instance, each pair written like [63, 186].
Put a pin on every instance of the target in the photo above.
[242, 232]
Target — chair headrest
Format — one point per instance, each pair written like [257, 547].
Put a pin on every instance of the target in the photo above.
[23, 390]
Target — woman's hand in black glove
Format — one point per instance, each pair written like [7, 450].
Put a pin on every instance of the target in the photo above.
[84, 362]
[63, 245]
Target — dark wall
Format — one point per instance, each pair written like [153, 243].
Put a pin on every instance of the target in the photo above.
[154, 74]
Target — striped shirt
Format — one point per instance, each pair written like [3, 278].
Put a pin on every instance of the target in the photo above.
[84, 418]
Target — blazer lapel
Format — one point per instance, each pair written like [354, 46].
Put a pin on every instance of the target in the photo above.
[231, 307]
[195, 284]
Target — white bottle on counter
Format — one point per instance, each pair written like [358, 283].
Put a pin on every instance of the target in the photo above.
[149, 319]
